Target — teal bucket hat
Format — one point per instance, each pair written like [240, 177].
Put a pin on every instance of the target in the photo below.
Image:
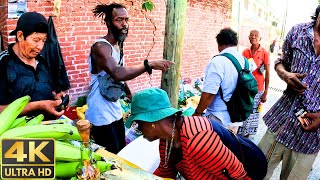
[150, 105]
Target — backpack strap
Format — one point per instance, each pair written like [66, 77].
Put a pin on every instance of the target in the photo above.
[236, 64]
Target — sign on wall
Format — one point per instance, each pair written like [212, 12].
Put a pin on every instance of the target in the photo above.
[16, 8]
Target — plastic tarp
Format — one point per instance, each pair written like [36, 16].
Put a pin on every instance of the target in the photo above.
[52, 54]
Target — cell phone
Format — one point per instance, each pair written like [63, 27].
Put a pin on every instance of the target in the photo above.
[64, 104]
[303, 121]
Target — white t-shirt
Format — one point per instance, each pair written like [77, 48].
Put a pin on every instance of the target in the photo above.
[221, 72]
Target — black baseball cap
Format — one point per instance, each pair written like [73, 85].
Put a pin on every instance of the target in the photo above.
[30, 21]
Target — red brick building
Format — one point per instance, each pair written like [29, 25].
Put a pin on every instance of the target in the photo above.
[77, 29]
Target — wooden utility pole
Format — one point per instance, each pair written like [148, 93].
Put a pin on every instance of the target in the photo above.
[173, 42]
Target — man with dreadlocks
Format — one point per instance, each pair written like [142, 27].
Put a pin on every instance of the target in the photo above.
[106, 57]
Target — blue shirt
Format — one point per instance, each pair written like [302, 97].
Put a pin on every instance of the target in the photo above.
[220, 72]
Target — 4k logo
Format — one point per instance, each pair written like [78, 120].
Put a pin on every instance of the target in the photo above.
[27, 158]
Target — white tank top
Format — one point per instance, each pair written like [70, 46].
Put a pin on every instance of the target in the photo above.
[101, 111]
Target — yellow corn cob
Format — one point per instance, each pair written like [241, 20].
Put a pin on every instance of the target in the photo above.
[11, 112]
[36, 120]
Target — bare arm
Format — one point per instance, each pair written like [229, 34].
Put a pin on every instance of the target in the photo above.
[292, 79]
[48, 106]
[283, 66]
[102, 54]
[205, 100]
[267, 78]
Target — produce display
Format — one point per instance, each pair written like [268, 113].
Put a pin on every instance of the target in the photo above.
[67, 155]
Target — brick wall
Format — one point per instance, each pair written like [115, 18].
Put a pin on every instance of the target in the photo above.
[77, 29]
[3, 19]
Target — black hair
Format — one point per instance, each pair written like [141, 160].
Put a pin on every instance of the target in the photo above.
[38, 28]
[227, 36]
[105, 11]
[315, 16]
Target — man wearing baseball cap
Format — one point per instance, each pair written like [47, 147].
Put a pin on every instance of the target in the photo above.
[24, 72]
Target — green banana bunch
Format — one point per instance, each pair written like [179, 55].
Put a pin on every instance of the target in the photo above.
[21, 121]
[105, 166]
[38, 131]
[36, 120]
[11, 112]
[74, 136]
[68, 152]
[65, 169]
[69, 169]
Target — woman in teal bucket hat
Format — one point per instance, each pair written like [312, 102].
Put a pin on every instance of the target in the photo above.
[188, 145]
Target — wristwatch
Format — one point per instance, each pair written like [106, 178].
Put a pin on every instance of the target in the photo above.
[199, 113]
[147, 67]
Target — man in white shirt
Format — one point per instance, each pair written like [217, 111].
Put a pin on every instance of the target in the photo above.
[220, 72]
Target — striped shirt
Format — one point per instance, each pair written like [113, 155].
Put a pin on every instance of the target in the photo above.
[299, 57]
[203, 155]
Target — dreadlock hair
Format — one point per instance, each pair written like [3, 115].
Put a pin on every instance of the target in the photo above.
[315, 16]
[105, 11]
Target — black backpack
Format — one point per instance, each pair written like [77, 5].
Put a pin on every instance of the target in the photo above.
[241, 102]
[251, 156]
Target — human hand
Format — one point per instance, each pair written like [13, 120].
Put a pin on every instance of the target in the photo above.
[60, 96]
[293, 81]
[50, 106]
[162, 65]
[264, 97]
[315, 124]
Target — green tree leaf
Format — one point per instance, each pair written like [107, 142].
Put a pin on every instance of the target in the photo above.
[148, 5]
